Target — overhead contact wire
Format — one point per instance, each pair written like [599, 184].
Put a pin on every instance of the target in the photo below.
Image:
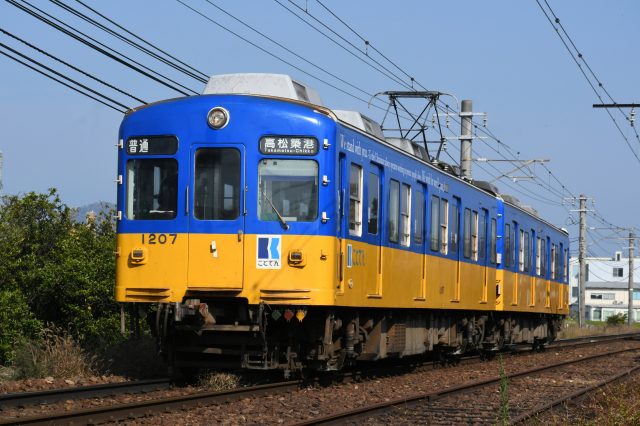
[86, 74]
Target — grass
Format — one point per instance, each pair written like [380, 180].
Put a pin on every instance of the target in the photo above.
[56, 354]
[503, 414]
[571, 329]
[217, 381]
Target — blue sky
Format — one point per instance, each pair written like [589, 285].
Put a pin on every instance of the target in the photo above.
[504, 55]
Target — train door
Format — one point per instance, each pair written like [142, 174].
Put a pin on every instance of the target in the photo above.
[482, 252]
[498, 248]
[342, 224]
[216, 217]
[455, 246]
[374, 266]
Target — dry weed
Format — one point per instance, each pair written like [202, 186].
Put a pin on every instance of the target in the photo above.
[55, 354]
[217, 381]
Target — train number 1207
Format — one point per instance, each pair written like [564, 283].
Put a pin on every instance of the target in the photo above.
[159, 238]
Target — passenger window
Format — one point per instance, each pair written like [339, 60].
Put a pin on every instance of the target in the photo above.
[467, 233]
[538, 260]
[444, 226]
[482, 235]
[554, 263]
[455, 225]
[355, 200]
[435, 223]
[152, 189]
[474, 236]
[527, 252]
[507, 245]
[418, 230]
[288, 188]
[405, 214]
[394, 209]
[513, 244]
[566, 265]
[493, 247]
[521, 252]
[543, 258]
[217, 184]
[373, 196]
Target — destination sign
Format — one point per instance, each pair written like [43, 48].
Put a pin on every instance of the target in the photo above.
[152, 145]
[288, 145]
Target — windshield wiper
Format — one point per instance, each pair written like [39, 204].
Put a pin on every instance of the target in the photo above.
[283, 222]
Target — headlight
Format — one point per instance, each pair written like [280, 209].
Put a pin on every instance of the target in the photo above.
[217, 118]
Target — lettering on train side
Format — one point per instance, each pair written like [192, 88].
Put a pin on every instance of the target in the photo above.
[354, 257]
[423, 174]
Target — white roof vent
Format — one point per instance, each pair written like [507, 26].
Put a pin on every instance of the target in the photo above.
[279, 85]
[360, 121]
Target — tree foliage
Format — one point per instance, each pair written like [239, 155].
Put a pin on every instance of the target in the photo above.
[54, 270]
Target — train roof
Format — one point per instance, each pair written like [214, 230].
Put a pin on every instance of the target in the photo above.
[283, 87]
[276, 85]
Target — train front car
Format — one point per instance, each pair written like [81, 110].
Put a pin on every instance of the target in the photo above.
[226, 225]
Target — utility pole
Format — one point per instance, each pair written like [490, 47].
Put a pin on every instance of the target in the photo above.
[582, 249]
[631, 255]
[466, 115]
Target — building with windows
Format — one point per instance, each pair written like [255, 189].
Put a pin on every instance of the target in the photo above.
[607, 281]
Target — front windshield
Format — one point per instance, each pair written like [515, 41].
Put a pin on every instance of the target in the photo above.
[152, 189]
[291, 186]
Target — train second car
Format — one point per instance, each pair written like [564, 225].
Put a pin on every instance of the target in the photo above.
[269, 232]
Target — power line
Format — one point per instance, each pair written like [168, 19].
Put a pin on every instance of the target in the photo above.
[130, 42]
[62, 82]
[582, 71]
[273, 55]
[95, 47]
[71, 66]
[368, 44]
[382, 71]
[288, 50]
[143, 40]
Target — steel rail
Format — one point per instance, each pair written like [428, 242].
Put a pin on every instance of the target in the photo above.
[574, 395]
[379, 408]
[81, 392]
[138, 409]
[144, 408]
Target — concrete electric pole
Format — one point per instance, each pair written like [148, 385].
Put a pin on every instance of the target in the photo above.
[466, 160]
[631, 255]
[582, 249]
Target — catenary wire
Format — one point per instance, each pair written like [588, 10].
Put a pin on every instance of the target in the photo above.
[55, 58]
[128, 41]
[202, 74]
[83, 39]
[61, 82]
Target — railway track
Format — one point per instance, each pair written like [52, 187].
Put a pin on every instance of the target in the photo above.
[146, 408]
[429, 403]
[81, 392]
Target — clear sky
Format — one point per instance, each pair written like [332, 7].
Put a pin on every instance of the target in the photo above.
[504, 55]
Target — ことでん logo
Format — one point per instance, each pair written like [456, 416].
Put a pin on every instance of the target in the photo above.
[269, 254]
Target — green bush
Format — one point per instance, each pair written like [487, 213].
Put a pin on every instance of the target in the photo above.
[617, 319]
[56, 271]
[17, 323]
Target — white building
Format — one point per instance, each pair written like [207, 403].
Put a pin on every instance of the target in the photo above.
[607, 281]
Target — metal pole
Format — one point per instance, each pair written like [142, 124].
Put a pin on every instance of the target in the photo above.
[582, 248]
[631, 255]
[122, 327]
[466, 159]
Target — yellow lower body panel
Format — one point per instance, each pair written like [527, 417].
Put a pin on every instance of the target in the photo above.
[303, 270]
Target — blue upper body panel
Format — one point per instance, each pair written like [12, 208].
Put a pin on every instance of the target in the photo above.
[251, 118]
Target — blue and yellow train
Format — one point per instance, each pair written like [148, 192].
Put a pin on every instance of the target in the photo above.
[274, 233]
